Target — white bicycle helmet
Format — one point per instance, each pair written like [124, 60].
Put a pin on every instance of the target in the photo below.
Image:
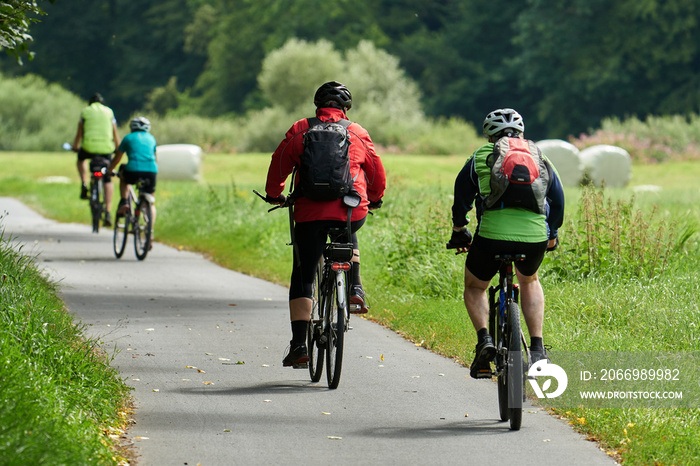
[501, 120]
[140, 124]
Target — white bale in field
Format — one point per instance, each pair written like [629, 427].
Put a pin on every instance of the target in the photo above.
[565, 158]
[609, 165]
[179, 162]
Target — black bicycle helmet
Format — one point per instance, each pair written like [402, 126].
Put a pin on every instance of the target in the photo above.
[97, 97]
[140, 124]
[333, 91]
[503, 120]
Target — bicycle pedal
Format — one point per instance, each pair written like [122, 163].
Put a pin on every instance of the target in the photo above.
[484, 374]
[301, 365]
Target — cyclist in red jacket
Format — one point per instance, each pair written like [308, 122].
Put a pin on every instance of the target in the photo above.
[314, 219]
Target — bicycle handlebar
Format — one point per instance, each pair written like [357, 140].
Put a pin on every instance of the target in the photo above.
[288, 201]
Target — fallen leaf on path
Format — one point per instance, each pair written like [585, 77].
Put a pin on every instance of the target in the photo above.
[331, 437]
[267, 401]
[149, 329]
[208, 383]
[156, 389]
[227, 430]
[142, 438]
[190, 367]
[381, 357]
[233, 304]
[325, 413]
[240, 362]
[224, 359]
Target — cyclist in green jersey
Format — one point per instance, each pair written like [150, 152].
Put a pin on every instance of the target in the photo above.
[504, 230]
[97, 130]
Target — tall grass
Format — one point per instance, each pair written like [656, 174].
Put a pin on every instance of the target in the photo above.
[60, 397]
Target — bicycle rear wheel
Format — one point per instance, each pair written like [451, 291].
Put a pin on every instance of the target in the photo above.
[314, 336]
[142, 229]
[515, 373]
[335, 332]
[121, 231]
[96, 206]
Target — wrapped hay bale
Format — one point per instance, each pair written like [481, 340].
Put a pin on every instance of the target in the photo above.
[608, 165]
[565, 158]
[179, 162]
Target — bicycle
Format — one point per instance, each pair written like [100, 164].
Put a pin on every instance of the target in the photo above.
[330, 298]
[137, 220]
[98, 167]
[512, 353]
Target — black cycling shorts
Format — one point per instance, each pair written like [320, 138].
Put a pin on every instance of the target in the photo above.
[310, 238]
[149, 178]
[481, 263]
[84, 155]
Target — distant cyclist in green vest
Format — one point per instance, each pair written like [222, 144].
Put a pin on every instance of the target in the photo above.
[98, 132]
[502, 230]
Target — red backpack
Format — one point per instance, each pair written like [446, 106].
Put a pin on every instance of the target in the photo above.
[520, 176]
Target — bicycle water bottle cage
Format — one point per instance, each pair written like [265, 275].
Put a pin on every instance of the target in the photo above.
[338, 252]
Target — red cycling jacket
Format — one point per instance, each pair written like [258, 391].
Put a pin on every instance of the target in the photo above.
[364, 161]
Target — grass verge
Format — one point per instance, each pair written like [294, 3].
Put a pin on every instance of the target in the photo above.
[62, 401]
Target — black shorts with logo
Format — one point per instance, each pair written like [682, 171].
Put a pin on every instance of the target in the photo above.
[481, 263]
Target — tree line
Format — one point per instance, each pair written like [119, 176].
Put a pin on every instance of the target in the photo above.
[564, 64]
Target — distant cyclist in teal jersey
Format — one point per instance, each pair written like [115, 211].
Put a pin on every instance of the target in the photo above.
[140, 148]
[502, 230]
[97, 131]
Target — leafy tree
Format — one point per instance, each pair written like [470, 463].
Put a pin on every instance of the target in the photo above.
[385, 100]
[587, 59]
[247, 30]
[120, 48]
[292, 73]
[15, 19]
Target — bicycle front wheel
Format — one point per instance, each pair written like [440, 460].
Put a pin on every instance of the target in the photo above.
[515, 373]
[143, 227]
[335, 331]
[314, 336]
[121, 231]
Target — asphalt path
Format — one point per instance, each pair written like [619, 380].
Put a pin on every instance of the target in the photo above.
[202, 346]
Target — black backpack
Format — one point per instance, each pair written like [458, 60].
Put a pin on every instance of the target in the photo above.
[520, 176]
[324, 169]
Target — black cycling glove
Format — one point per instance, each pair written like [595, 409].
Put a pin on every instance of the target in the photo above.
[375, 204]
[460, 239]
[275, 200]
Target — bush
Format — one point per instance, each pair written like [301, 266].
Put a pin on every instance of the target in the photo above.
[656, 139]
[36, 115]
